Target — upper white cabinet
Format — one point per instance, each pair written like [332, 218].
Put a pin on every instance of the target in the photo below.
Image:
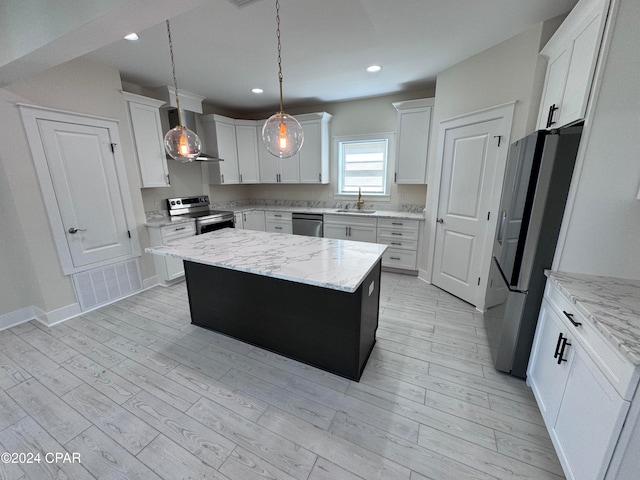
[274, 169]
[144, 115]
[220, 137]
[413, 131]
[572, 55]
[314, 154]
[247, 148]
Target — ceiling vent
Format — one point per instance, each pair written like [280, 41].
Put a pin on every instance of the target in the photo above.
[241, 3]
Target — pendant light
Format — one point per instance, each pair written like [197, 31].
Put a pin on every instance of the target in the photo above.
[180, 143]
[282, 134]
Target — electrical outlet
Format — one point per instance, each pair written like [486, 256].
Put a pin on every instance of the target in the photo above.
[401, 196]
[157, 201]
[330, 194]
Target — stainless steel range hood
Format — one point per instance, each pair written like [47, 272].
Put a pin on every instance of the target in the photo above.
[189, 121]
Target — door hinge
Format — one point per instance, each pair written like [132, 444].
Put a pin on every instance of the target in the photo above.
[395, 177]
[113, 147]
[129, 233]
[478, 280]
[488, 215]
[499, 137]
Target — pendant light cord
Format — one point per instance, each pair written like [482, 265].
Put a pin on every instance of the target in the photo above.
[279, 52]
[175, 80]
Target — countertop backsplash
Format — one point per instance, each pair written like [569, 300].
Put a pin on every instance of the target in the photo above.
[156, 215]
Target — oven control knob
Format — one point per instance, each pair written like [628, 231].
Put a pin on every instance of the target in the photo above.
[178, 202]
[202, 199]
[173, 202]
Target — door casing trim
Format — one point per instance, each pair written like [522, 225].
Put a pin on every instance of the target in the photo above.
[504, 112]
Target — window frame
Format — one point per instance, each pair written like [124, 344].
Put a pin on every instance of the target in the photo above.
[389, 163]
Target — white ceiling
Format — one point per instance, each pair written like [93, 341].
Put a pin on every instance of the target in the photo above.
[222, 51]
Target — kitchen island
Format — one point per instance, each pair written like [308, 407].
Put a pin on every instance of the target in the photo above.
[312, 299]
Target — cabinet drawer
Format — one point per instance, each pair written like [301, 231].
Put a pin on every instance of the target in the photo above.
[278, 226]
[173, 232]
[397, 234]
[397, 258]
[401, 243]
[615, 367]
[399, 224]
[277, 216]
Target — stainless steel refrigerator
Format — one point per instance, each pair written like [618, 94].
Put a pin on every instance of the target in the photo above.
[535, 189]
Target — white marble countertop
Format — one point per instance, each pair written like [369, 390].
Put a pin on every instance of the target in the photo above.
[164, 221]
[323, 262]
[612, 304]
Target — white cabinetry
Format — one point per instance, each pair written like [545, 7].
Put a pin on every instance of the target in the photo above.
[144, 115]
[402, 237]
[572, 54]
[274, 169]
[314, 154]
[413, 131]
[253, 220]
[169, 269]
[582, 385]
[238, 220]
[279, 222]
[350, 227]
[247, 148]
[220, 138]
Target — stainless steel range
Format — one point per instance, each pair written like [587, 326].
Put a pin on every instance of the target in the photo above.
[199, 208]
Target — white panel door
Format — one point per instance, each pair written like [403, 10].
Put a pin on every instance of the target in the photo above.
[85, 181]
[469, 163]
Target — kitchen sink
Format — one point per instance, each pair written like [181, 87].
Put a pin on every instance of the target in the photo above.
[353, 210]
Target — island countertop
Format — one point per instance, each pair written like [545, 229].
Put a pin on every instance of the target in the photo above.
[323, 262]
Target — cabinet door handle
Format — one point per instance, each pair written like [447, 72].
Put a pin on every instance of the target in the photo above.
[570, 317]
[560, 346]
[320, 177]
[240, 178]
[557, 351]
[244, 217]
[552, 110]
[222, 178]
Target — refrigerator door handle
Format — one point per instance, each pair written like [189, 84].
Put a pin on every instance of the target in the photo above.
[503, 219]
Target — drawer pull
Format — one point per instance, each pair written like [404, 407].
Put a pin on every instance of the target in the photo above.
[570, 317]
[394, 258]
[277, 215]
[278, 228]
[397, 223]
[395, 243]
[180, 228]
[396, 233]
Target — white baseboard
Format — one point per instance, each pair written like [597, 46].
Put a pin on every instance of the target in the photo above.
[422, 275]
[147, 283]
[57, 316]
[11, 319]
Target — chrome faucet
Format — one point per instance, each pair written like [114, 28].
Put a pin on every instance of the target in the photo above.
[360, 201]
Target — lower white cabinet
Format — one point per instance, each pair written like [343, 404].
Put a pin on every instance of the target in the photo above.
[169, 269]
[278, 222]
[584, 411]
[253, 220]
[402, 238]
[238, 220]
[351, 227]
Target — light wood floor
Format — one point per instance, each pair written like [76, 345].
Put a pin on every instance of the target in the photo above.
[140, 393]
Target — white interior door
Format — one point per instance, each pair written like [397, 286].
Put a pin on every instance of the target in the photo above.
[469, 161]
[85, 182]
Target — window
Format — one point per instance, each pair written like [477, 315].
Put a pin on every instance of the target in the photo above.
[363, 163]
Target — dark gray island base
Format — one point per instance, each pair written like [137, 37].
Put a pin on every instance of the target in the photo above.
[329, 329]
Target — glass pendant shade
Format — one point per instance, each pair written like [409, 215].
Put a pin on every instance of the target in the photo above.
[282, 135]
[182, 144]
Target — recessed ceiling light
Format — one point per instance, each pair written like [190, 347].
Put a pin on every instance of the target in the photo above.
[257, 90]
[131, 37]
[374, 68]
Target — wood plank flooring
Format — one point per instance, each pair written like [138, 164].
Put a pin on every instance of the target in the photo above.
[140, 393]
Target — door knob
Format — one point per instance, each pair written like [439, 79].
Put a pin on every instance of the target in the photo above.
[440, 220]
[73, 230]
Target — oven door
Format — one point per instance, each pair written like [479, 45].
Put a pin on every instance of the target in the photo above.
[205, 227]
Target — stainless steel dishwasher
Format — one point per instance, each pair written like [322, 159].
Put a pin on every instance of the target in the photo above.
[309, 224]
